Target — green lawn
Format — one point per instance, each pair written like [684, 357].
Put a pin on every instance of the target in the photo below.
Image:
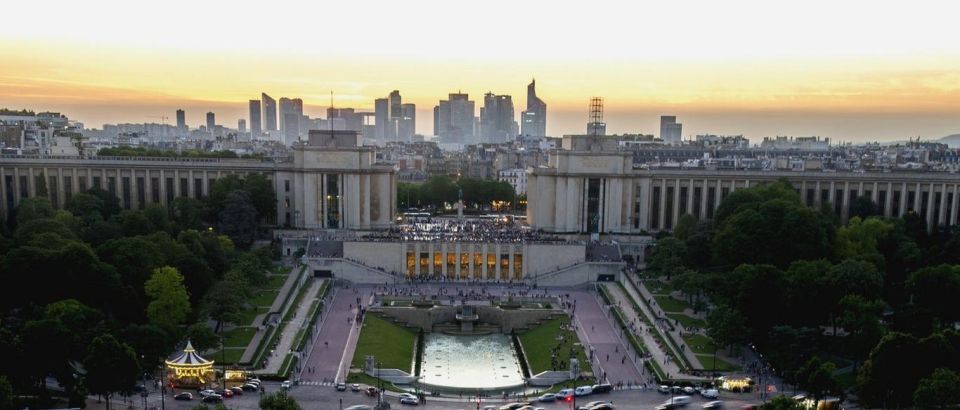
[275, 281]
[239, 337]
[264, 298]
[669, 304]
[687, 321]
[699, 344]
[659, 288]
[230, 356]
[539, 341]
[722, 365]
[390, 344]
[246, 316]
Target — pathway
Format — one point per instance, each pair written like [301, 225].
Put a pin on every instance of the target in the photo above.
[641, 299]
[663, 359]
[610, 355]
[336, 340]
[251, 349]
[300, 316]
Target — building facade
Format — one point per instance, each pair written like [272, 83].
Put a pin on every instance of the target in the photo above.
[331, 182]
[589, 186]
[255, 124]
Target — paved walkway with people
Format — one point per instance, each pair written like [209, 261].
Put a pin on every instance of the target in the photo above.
[289, 334]
[610, 361]
[646, 295]
[254, 344]
[336, 341]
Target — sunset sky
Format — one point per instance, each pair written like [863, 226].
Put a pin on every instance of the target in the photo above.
[850, 70]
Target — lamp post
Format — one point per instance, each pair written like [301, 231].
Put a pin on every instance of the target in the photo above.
[163, 386]
[144, 392]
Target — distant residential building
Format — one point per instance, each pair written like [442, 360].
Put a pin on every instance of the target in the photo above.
[454, 118]
[181, 120]
[516, 177]
[269, 112]
[723, 141]
[801, 143]
[255, 124]
[211, 122]
[496, 118]
[534, 118]
[671, 132]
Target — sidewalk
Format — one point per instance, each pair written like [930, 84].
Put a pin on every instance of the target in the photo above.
[641, 299]
[251, 349]
[300, 316]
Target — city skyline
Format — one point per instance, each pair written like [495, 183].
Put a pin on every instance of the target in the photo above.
[741, 68]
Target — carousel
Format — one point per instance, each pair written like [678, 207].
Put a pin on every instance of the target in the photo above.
[189, 369]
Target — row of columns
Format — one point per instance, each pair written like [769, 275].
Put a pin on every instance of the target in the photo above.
[465, 266]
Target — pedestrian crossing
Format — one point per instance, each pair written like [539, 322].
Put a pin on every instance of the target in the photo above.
[316, 383]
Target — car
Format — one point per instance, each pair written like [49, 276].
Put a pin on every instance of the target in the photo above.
[341, 387]
[205, 393]
[603, 406]
[664, 389]
[676, 389]
[370, 391]
[355, 387]
[250, 387]
[526, 408]
[359, 406]
[668, 406]
[710, 393]
[514, 406]
[713, 405]
[226, 393]
[602, 388]
[213, 398]
[689, 390]
[254, 380]
[410, 395]
[237, 391]
[286, 385]
[583, 391]
[680, 400]
[409, 400]
[593, 404]
[564, 394]
[183, 396]
[544, 398]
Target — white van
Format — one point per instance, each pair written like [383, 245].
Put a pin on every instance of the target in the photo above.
[583, 391]
[564, 394]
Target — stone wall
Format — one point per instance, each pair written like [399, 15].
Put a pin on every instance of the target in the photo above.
[507, 319]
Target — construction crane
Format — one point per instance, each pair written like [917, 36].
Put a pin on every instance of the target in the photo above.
[163, 118]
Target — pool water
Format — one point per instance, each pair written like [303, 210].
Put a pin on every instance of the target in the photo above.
[470, 362]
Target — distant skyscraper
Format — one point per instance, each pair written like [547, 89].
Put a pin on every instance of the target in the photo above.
[671, 132]
[269, 112]
[534, 119]
[407, 125]
[496, 118]
[181, 120]
[381, 118]
[454, 118]
[211, 122]
[242, 125]
[291, 109]
[255, 125]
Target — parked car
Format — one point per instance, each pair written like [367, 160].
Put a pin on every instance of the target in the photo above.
[354, 387]
[213, 398]
[664, 389]
[254, 380]
[689, 390]
[710, 393]
[547, 397]
[593, 404]
[564, 394]
[603, 406]
[183, 396]
[341, 387]
[409, 400]
[602, 388]
[286, 385]
[371, 391]
[513, 406]
[237, 391]
[583, 391]
[226, 393]
[410, 395]
[713, 405]
[250, 387]
[207, 392]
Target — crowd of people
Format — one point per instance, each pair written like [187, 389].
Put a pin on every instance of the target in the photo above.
[463, 230]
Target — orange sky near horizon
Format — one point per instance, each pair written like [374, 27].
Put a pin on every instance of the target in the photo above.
[864, 71]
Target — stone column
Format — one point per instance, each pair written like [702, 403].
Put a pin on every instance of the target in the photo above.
[663, 204]
[942, 217]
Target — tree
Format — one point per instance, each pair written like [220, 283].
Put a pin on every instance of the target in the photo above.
[860, 317]
[188, 213]
[262, 195]
[686, 226]
[136, 257]
[859, 239]
[817, 377]
[86, 206]
[170, 302]
[668, 256]
[111, 367]
[110, 204]
[34, 208]
[863, 207]
[727, 327]
[890, 375]
[278, 401]
[202, 337]
[238, 219]
[941, 389]
[936, 289]
[693, 284]
[782, 403]
[6, 394]
[225, 301]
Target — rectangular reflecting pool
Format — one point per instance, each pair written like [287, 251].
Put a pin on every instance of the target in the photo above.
[470, 362]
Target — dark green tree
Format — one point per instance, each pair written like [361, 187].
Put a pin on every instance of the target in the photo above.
[238, 219]
[940, 390]
[111, 367]
[278, 401]
[727, 328]
[33, 208]
[668, 256]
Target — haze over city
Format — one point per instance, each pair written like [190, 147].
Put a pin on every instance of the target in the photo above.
[851, 71]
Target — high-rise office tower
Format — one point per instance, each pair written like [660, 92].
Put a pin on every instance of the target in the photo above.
[291, 109]
[454, 118]
[534, 119]
[395, 113]
[381, 112]
[255, 125]
[269, 112]
[407, 125]
[671, 132]
[211, 122]
[181, 120]
[242, 125]
[496, 118]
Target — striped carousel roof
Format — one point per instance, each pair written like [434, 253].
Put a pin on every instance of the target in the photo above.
[189, 357]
